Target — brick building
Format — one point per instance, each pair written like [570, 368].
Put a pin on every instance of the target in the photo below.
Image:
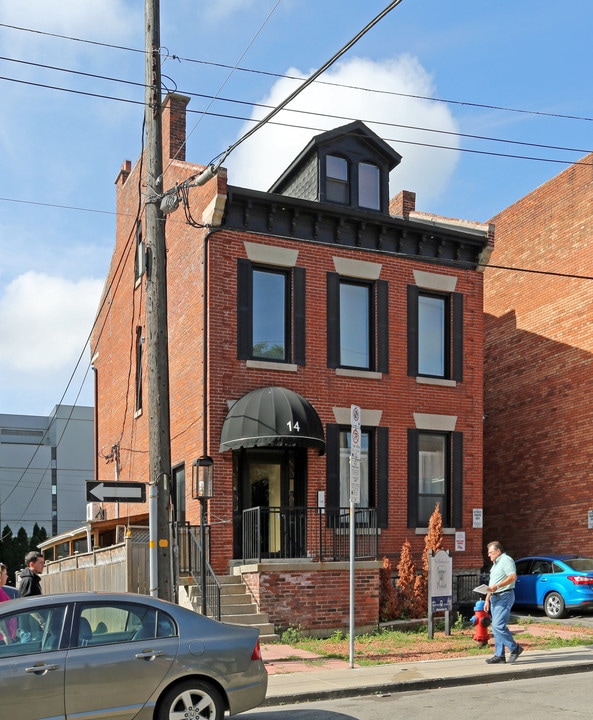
[285, 308]
[538, 370]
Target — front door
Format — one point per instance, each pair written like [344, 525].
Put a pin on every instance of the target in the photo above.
[273, 480]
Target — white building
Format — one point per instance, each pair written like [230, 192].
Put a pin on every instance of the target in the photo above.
[44, 463]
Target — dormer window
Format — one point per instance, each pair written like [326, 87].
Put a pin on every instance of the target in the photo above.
[369, 195]
[337, 187]
[347, 167]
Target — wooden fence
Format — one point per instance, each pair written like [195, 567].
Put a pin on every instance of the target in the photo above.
[118, 568]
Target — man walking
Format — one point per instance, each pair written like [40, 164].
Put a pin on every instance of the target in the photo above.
[499, 601]
[30, 583]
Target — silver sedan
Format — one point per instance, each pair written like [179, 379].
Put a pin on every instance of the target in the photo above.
[126, 657]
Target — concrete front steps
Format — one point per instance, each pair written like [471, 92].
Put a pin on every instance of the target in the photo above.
[236, 605]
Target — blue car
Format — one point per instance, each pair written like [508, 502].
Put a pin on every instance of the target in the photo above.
[555, 583]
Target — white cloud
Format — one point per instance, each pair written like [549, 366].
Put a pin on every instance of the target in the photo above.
[45, 322]
[261, 159]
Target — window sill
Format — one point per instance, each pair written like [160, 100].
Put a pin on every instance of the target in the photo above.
[138, 413]
[369, 374]
[265, 365]
[436, 381]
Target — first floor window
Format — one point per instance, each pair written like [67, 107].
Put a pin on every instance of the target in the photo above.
[374, 470]
[434, 477]
[366, 487]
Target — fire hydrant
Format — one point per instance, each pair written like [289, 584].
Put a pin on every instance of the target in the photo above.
[481, 620]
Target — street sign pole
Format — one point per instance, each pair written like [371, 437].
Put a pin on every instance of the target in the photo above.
[354, 498]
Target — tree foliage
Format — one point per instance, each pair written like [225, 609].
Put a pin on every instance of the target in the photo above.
[13, 548]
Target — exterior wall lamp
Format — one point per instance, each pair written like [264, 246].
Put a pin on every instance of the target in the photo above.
[202, 485]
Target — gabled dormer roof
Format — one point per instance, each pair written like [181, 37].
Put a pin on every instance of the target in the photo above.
[356, 143]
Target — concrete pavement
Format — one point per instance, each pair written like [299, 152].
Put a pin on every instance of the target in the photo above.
[295, 679]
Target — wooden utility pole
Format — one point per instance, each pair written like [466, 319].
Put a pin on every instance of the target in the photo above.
[159, 439]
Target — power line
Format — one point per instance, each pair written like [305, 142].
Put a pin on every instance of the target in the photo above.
[268, 73]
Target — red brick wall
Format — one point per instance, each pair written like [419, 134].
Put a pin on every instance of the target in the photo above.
[538, 370]
[317, 599]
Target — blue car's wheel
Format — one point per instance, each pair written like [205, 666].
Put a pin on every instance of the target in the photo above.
[554, 606]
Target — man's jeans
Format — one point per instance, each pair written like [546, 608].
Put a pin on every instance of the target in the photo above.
[500, 609]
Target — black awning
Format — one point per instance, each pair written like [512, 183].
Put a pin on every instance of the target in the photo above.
[272, 417]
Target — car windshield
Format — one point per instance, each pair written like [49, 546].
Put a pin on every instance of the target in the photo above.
[581, 564]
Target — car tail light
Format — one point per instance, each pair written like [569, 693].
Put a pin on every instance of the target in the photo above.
[581, 579]
[256, 654]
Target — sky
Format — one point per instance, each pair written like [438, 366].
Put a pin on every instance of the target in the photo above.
[484, 101]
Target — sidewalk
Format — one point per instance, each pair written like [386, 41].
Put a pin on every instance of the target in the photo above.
[301, 676]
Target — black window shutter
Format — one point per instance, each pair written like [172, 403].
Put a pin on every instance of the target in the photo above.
[299, 336]
[332, 464]
[333, 320]
[457, 472]
[457, 373]
[244, 310]
[382, 503]
[413, 467]
[382, 326]
[412, 331]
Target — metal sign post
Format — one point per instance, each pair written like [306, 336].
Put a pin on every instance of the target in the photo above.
[354, 498]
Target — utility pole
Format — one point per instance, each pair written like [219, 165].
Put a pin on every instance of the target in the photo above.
[159, 439]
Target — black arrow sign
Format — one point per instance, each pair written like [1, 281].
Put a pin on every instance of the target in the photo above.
[131, 492]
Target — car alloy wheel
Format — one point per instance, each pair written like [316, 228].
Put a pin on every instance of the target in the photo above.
[554, 606]
[191, 700]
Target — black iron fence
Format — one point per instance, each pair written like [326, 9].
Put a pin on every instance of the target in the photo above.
[190, 563]
[322, 534]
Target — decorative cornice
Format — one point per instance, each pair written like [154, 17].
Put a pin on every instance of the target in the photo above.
[270, 214]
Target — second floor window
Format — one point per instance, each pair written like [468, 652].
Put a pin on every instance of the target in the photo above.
[355, 325]
[435, 334]
[270, 313]
[357, 316]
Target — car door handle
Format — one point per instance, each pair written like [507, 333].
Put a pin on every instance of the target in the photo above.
[149, 654]
[41, 669]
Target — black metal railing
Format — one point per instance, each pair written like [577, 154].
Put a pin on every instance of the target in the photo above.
[190, 563]
[320, 533]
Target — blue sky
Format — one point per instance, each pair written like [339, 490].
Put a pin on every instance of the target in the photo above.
[465, 91]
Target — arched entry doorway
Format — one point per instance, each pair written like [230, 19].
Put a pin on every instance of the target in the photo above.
[269, 431]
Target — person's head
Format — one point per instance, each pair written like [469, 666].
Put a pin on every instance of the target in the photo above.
[35, 561]
[494, 550]
[3, 574]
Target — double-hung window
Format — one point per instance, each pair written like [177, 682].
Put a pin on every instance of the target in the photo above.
[337, 180]
[374, 469]
[434, 476]
[271, 313]
[435, 334]
[357, 323]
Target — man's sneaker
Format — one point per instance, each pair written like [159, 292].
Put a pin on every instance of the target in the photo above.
[496, 659]
[515, 654]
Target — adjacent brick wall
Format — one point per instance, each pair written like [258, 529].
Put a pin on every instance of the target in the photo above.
[539, 370]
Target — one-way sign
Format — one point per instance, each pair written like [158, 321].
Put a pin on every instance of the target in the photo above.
[131, 492]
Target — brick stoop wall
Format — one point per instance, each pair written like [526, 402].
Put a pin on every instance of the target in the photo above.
[317, 594]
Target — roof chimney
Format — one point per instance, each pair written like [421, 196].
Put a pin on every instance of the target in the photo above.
[174, 111]
[403, 204]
